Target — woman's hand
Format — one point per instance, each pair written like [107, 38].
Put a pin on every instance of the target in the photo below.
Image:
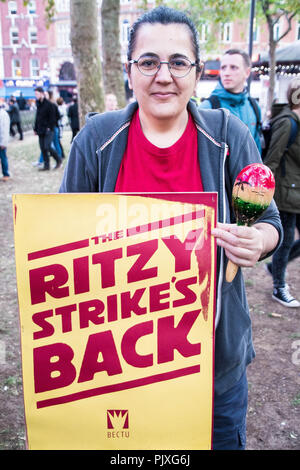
[243, 245]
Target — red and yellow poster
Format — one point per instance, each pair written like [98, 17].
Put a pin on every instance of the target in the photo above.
[117, 297]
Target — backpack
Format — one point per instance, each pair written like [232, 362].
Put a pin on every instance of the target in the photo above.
[215, 104]
[267, 133]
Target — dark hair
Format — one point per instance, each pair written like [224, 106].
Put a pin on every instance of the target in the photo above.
[164, 15]
[39, 89]
[293, 93]
[245, 55]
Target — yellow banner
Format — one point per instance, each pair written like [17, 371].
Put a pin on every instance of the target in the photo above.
[116, 298]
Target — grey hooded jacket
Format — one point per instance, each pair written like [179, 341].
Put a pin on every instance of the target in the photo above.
[225, 147]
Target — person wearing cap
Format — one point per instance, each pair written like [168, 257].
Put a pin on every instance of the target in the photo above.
[45, 122]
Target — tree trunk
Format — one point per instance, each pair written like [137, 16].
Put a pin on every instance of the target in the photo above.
[111, 50]
[85, 50]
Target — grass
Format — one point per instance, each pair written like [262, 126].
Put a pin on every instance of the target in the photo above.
[296, 400]
[28, 149]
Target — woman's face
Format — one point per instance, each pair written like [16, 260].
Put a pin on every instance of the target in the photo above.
[163, 96]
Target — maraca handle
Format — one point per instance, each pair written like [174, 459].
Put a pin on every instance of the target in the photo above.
[231, 271]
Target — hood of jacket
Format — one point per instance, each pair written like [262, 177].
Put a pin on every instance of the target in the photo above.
[284, 113]
[234, 99]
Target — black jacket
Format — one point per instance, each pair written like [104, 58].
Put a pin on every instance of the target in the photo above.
[73, 116]
[14, 113]
[45, 117]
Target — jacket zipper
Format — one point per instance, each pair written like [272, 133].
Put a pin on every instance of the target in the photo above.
[220, 278]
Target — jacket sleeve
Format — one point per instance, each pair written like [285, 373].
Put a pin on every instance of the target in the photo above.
[280, 136]
[82, 171]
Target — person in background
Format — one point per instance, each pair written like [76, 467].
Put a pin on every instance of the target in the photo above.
[56, 143]
[74, 117]
[22, 102]
[15, 118]
[45, 122]
[163, 142]
[284, 162]
[62, 108]
[231, 92]
[111, 103]
[4, 138]
[56, 138]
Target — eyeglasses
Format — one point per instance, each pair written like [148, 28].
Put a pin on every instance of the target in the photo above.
[178, 66]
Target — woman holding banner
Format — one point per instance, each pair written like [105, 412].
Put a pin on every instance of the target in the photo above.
[163, 143]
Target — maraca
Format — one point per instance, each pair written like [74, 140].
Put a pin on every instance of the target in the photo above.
[252, 194]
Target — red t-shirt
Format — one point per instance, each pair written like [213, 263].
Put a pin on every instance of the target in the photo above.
[147, 168]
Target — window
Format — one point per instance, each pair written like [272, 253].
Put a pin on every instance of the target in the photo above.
[32, 33]
[34, 68]
[31, 7]
[62, 5]
[16, 68]
[63, 35]
[226, 32]
[14, 36]
[255, 36]
[276, 31]
[203, 32]
[298, 31]
[125, 31]
[12, 8]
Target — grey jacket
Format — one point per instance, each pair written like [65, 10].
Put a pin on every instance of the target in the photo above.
[225, 146]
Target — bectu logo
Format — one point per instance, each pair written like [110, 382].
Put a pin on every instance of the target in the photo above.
[117, 422]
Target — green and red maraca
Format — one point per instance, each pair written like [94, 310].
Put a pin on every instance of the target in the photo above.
[252, 194]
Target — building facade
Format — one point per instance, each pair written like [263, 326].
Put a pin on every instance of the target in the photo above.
[24, 47]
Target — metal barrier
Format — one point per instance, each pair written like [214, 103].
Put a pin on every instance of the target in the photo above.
[28, 118]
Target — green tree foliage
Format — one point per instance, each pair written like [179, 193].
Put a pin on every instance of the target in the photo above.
[213, 13]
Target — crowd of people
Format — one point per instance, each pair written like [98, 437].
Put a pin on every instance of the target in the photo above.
[51, 118]
[164, 142]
